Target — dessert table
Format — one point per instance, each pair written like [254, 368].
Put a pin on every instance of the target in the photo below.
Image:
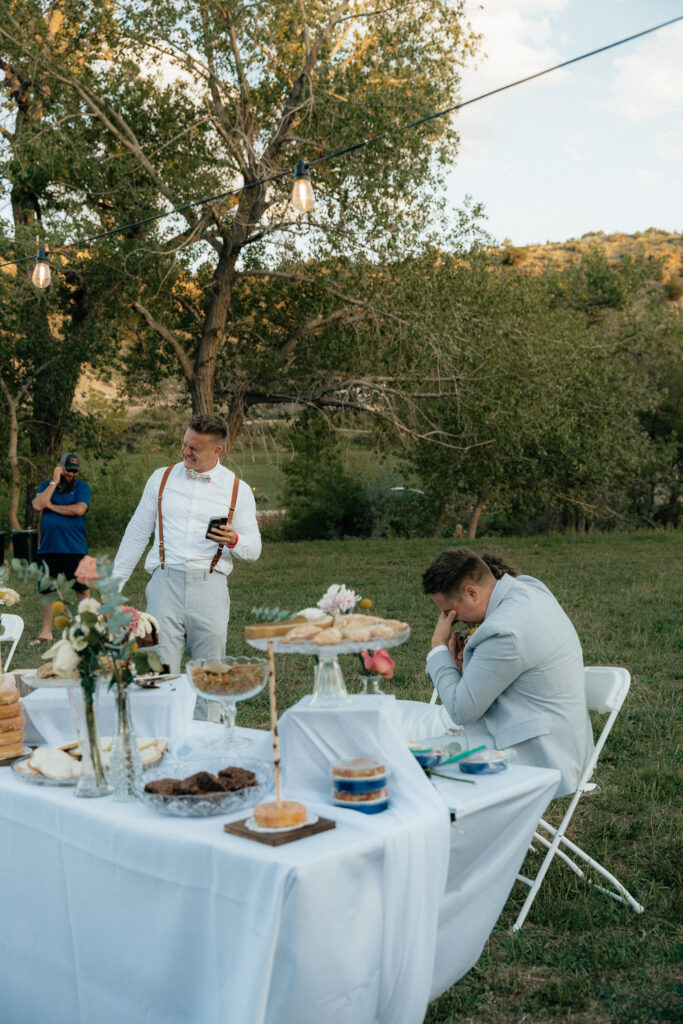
[162, 711]
[113, 912]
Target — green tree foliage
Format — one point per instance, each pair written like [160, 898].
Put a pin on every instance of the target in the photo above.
[546, 400]
[257, 85]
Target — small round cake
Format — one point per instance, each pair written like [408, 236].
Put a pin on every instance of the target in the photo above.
[286, 814]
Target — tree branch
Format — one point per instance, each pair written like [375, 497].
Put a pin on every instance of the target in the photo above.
[169, 337]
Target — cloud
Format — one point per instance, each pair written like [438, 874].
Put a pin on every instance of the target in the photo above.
[516, 42]
[670, 146]
[649, 80]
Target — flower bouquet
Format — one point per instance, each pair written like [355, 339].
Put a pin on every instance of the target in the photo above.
[99, 642]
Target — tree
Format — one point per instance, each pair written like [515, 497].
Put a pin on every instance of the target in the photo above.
[546, 404]
[257, 85]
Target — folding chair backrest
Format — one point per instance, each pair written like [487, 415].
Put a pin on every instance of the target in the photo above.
[11, 628]
[606, 689]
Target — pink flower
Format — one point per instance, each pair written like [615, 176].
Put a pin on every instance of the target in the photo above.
[135, 620]
[379, 662]
[86, 570]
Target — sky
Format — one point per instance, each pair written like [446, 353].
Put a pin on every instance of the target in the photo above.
[594, 147]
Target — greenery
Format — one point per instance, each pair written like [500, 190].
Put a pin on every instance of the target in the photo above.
[580, 957]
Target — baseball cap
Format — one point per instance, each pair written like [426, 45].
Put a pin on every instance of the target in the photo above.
[70, 462]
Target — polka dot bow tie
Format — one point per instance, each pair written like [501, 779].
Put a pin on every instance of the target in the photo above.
[192, 474]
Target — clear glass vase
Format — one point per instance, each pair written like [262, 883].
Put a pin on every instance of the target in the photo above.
[329, 687]
[93, 779]
[125, 767]
[371, 684]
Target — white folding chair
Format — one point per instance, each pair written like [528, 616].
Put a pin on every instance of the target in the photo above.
[11, 628]
[606, 690]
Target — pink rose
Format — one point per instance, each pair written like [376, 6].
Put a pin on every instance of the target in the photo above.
[86, 570]
[379, 662]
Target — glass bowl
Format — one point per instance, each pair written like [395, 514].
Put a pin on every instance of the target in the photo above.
[228, 680]
[201, 806]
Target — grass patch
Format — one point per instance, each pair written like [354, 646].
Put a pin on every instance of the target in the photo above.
[580, 957]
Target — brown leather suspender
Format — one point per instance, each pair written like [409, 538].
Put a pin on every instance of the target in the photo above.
[162, 554]
[231, 512]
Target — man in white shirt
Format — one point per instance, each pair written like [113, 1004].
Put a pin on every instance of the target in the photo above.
[189, 561]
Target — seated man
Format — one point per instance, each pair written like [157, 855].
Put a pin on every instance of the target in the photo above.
[516, 679]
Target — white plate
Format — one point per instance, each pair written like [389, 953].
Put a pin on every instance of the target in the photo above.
[29, 678]
[39, 780]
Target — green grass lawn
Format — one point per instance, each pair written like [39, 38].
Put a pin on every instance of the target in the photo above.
[580, 957]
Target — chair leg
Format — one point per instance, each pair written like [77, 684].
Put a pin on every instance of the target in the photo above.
[621, 895]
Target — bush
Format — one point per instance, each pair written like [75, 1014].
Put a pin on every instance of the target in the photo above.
[323, 501]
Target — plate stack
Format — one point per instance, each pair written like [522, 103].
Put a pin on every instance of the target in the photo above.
[360, 785]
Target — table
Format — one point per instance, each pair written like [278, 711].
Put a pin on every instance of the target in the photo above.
[164, 711]
[134, 916]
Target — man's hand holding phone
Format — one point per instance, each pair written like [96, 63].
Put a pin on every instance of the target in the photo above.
[220, 531]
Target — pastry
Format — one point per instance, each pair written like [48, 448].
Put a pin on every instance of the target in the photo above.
[12, 724]
[10, 710]
[12, 750]
[9, 697]
[286, 814]
[328, 637]
[8, 739]
[357, 634]
[54, 763]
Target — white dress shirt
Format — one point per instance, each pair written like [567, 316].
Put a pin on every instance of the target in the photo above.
[187, 505]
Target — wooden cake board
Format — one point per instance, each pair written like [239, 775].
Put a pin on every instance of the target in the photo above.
[239, 828]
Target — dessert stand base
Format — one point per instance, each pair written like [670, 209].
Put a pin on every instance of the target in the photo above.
[240, 828]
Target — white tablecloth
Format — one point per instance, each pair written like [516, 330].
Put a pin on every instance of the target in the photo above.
[164, 711]
[112, 912]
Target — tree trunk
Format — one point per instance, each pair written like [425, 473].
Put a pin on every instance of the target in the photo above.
[474, 518]
[12, 455]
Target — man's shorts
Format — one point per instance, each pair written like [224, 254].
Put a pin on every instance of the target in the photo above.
[60, 562]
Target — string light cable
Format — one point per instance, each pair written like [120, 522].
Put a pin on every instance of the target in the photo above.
[303, 200]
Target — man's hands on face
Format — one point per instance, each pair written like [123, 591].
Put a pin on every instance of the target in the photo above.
[224, 534]
[443, 629]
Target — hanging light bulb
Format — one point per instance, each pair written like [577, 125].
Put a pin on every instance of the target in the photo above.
[41, 273]
[302, 192]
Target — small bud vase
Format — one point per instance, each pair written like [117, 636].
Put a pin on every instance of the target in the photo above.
[93, 780]
[371, 684]
[126, 767]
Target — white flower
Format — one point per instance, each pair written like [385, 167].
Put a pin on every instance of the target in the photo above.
[77, 636]
[8, 596]
[89, 604]
[146, 625]
[338, 599]
[64, 658]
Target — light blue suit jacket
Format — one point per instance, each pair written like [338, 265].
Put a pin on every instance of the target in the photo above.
[522, 683]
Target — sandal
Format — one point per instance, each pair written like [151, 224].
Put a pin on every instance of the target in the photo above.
[40, 640]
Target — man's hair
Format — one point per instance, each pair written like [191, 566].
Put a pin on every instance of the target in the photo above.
[207, 423]
[455, 567]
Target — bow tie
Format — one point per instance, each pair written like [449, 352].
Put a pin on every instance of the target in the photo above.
[192, 474]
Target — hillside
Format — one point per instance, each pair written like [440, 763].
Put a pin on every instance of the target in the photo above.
[654, 244]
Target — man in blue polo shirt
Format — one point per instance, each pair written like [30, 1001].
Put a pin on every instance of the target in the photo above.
[64, 501]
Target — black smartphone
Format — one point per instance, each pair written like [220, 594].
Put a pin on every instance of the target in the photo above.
[214, 522]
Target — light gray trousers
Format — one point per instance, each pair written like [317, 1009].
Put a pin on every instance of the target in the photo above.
[192, 607]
